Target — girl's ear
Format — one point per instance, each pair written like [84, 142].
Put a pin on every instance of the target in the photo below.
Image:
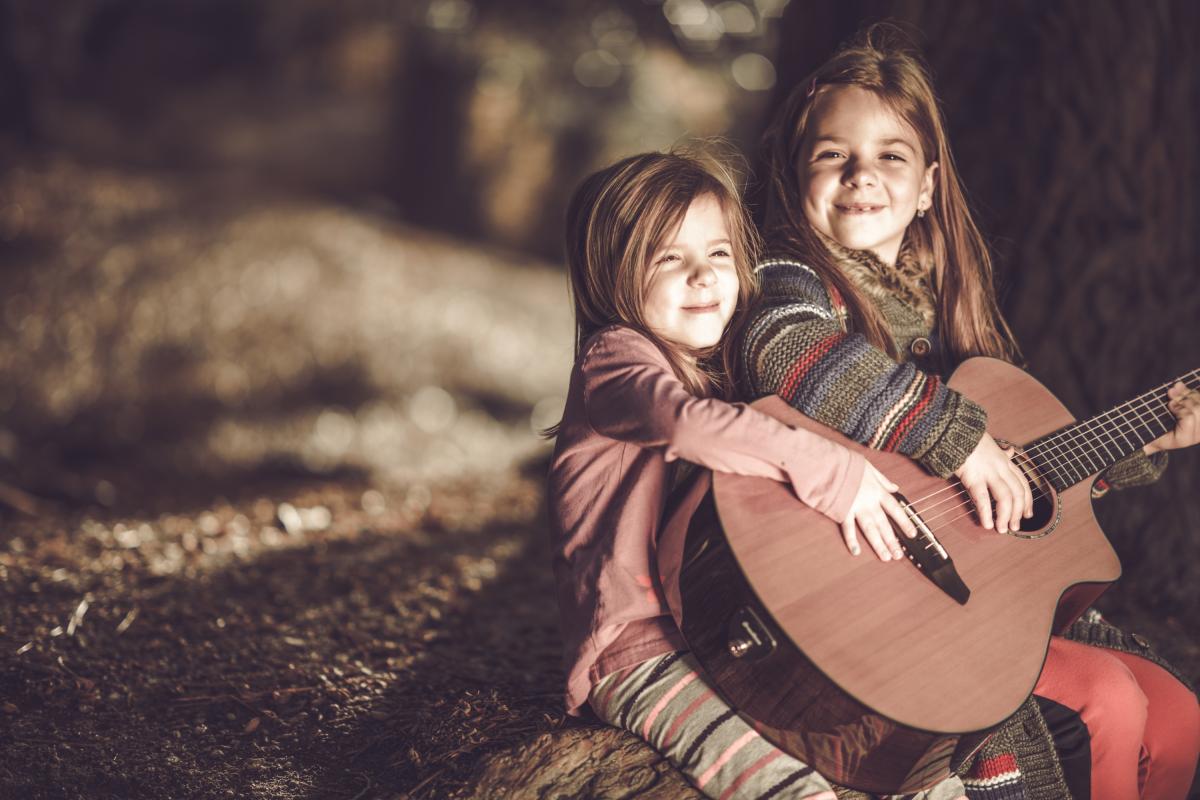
[925, 199]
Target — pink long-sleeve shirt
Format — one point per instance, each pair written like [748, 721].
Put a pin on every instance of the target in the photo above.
[627, 417]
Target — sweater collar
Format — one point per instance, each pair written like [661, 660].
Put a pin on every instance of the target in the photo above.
[907, 280]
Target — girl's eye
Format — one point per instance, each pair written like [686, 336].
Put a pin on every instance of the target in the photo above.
[666, 258]
[829, 154]
[720, 253]
[893, 157]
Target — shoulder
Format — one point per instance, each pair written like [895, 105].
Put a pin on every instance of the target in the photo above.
[781, 267]
[784, 278]
[789, 285]
[618, 345]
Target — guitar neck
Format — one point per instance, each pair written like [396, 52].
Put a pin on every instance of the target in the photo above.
[1083, 449]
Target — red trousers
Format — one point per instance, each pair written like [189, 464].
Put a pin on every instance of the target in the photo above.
[1143, 725]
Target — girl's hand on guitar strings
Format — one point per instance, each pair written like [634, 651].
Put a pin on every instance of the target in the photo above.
[990, 474]
[870, 512]
[1185, 405]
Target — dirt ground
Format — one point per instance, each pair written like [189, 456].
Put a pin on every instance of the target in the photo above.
[286, 543]
[278, 646]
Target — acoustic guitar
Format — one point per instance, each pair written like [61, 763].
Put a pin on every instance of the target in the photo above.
[884, 676]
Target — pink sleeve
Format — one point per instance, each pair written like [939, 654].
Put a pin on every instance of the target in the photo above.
[631, 394]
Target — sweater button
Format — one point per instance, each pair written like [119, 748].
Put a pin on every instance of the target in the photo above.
[1140, 641]
[920, 347]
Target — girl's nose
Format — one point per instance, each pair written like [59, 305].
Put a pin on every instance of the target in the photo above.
[858, 173]
[703, 275]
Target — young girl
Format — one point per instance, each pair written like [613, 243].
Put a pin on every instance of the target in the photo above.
[660, 252]
[879, 283]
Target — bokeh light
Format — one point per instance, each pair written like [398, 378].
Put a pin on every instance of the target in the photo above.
[753, 72]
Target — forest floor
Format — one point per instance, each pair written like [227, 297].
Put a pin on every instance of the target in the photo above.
[326, 579]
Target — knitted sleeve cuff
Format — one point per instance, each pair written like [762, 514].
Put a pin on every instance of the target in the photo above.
[1135, 469]
[968, 423]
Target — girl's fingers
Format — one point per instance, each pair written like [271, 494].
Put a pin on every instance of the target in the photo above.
[888, 534]
[1026, 492]
[983, 503]
[850, 537]
[871, 534]
[1002, 494]
[1020, 500]
[894, 510]
[1016, 485]
[1023, 499]
[825, 796]
[1188, 402]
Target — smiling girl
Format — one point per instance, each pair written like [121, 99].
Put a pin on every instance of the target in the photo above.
[660, 252]
[879, 283]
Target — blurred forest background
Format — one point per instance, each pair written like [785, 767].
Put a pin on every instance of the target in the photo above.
[281, 311]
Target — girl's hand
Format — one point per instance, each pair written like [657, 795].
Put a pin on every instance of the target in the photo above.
[1185, 405]
[989, 474]
[821, 796]
[872, 507]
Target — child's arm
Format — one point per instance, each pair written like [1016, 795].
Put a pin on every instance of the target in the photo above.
[631, 394]
[797, 347]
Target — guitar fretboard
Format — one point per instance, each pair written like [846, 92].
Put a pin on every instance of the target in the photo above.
[1082, 449]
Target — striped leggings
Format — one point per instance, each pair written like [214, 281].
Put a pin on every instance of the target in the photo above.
[667, 702]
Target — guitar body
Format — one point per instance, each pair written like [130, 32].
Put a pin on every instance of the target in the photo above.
[867, 670]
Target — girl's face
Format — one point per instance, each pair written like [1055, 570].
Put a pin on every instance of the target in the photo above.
[692, 281]
[862, 172]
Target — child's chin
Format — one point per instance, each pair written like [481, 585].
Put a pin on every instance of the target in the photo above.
[857, 240]
[695, 340]
[701, 342]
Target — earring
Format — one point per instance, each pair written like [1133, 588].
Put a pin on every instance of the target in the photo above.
[920, 213]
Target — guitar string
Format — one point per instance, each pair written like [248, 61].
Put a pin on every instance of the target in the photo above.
[1065, 452]
[940, 517]
[959, 493]
[1056, 462]
[1086, 447]
[1060, 445]
[1037, 493]
[1057, 446]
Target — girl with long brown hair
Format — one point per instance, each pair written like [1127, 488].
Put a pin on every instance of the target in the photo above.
[660, 252]
[878, 283]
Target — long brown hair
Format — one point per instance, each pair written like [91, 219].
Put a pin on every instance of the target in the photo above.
[883, 61]
[618, 218]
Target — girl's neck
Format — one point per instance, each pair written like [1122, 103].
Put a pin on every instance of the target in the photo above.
[839, 251]
[906, 280]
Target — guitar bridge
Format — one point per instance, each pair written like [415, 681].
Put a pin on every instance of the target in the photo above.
[929, 556]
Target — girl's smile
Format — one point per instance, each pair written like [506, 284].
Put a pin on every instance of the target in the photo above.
[692, 282]
[863, 172]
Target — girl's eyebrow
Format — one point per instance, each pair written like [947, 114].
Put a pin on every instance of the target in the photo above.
[711, 243]
[880, 143]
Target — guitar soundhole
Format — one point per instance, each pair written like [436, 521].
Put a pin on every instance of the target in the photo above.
[1046, 509]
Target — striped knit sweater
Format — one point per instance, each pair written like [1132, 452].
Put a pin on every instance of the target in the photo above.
[797, 346]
